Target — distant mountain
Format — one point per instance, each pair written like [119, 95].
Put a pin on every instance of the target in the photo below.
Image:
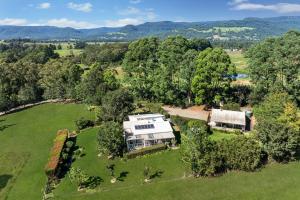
[246, 29]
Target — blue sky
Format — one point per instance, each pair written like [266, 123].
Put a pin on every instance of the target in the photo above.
[113, 13]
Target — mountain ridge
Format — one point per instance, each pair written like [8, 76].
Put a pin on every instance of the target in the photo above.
[250, 28]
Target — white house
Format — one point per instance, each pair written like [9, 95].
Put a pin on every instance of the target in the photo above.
[146, 130]
[228, 119]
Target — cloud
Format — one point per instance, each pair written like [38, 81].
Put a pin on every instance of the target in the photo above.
[45, 5]
[64, 22]
[13, 22]
[123, 22]
[282, 8]
[84, 7]
[130, 11]
[142, 15]
[135, 1]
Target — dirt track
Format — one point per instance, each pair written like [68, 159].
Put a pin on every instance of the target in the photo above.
[192, 112]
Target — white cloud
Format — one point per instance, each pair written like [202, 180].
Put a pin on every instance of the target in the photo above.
[45, 5]
[64, 22]
[142, 15]
[282, 8]
[123, 22]
[130, 11]
[83, 7]
[13, 21]
[135, 1]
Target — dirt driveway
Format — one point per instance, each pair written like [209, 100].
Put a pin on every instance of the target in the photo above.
[195, 112]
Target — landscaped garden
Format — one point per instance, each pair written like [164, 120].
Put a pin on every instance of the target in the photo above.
[28, 138]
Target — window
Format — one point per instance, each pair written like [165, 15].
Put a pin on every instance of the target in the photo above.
[146, 126]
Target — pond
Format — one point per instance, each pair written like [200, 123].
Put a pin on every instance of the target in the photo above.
[241, 76]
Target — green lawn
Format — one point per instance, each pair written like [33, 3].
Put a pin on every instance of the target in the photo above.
[31, 132]
[28, 136]
[219, 135]
[68, 52]
[240, 61]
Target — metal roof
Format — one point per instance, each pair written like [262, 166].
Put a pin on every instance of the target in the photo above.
[228, 116]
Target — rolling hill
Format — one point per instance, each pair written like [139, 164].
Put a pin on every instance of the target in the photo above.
[246, 29]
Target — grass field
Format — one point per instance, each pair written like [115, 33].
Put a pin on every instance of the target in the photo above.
[68, 52]
[239, 60]
[28, 135]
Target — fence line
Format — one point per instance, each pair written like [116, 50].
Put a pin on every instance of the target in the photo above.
[36, 104]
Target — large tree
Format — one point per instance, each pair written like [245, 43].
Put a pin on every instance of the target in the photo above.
[278, 126]
[116, 105]
[95, 84]
[110, 138]
[214, 73]
[168, 78]
[275, 62]
[140, 64]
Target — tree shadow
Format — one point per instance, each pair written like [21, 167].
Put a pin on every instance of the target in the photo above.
[5, 126]
[157, 174]
[122, 176]
[4, 180]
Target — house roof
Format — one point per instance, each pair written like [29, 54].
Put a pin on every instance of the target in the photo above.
[228, 116]
[143, 127]
[145, 117]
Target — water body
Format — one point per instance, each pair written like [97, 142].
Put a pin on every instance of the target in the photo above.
[241, 76]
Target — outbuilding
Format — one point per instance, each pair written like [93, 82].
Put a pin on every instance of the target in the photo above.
[228, 119]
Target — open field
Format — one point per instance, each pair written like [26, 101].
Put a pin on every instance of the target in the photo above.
[68, 52]
[27, 138]
[31, 132]
[239, 60]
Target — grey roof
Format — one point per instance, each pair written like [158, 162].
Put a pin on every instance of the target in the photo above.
[228, 116]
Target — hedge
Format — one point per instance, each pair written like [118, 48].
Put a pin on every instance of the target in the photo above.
[147, 150]
[55, 153]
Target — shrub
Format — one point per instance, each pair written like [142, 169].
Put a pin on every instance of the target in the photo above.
[147, 150]
[241, 153]
[83, 123]
[181, 122]
[56, 151]
[232, 106]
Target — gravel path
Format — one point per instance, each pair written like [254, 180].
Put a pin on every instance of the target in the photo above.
[187, 113]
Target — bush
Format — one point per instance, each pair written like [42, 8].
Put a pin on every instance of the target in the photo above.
[232, 106]
[181, 122]
[241, 153]
[83, 123]
[147, 150]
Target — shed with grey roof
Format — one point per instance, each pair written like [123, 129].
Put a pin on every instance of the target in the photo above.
[228, 119]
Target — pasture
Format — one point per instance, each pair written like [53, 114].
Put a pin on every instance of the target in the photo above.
[26, 138]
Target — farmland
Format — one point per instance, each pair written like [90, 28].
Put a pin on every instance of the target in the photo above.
[28, 137]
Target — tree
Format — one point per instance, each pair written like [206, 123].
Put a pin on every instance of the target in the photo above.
[116, 105]
[274, 62]
[187, 73]
[277, 127]
[59, 79]
[199, 153]
[200, 44]
[110, 138]
[140, 65]
[96, 84]
[214, 73]
[168, 78]
[241, 153]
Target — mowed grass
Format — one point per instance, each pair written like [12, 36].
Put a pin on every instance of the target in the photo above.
[220, 135]
[31, 132]
[28, 138]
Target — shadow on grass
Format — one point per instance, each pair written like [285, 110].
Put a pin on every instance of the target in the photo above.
[4, 180]
[157, 174]
[4, 126]
[122, 176]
